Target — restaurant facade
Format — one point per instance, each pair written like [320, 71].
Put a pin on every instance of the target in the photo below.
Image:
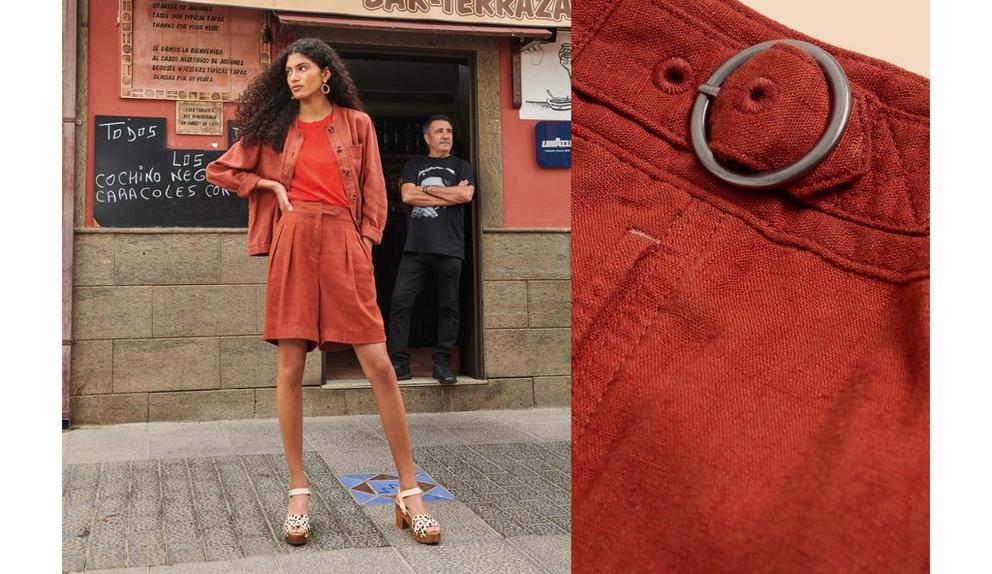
[162, 311]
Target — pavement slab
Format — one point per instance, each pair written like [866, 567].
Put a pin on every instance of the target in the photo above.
[350, 560]
[551, 552]
[105, 444]
[190, 498]
[473, 557]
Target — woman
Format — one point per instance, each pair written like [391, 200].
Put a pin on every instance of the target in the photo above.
[308, 162]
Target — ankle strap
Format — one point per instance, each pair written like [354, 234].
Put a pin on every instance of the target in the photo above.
[405, 493]
[299, 491]
[409, 492]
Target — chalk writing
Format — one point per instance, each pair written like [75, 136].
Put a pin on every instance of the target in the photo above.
[139, 182]
[118, 130]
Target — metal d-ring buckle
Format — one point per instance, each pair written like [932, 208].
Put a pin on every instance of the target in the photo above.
[840, 92]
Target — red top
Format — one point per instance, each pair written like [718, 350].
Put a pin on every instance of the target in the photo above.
[316, 177]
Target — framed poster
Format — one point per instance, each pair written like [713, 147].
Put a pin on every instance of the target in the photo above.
[546, 79]
[181, 51]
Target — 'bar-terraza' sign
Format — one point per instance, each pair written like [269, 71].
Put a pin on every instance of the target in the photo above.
[521, 11]
[542, 13]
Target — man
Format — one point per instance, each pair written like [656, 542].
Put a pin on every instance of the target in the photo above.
[435, 187]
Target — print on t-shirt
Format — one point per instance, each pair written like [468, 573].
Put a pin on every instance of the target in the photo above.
[437, 229]
[437, 180]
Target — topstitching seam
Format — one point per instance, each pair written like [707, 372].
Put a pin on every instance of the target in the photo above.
[776, 27]
[596, 25]
[902, 173]
[767, 229]
[631, 113]
[611, 378]
[739, 44]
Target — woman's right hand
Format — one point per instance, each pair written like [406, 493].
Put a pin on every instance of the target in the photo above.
[282, 196]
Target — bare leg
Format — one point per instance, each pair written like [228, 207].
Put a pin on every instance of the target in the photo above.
[379, 371]
[289, 407]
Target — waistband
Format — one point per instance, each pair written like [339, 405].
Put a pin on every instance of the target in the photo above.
[638, 66]
[335, 212]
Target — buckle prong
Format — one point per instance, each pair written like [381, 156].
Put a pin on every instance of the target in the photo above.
[709, 90]
[840, 92]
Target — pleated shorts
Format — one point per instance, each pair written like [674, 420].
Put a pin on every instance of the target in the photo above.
[321, 286]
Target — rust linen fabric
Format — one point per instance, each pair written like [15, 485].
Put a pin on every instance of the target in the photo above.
[750, 368]
[352, 137]
[321, 285]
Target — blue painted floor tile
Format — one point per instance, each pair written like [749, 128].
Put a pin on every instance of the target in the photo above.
[371, 488]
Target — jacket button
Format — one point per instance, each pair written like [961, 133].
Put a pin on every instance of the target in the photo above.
[330, 129]
[340, 149]
[345, 171]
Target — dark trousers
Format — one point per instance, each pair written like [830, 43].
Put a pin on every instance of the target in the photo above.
[410, 279]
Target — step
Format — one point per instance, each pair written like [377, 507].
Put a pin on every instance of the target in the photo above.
[463, 381]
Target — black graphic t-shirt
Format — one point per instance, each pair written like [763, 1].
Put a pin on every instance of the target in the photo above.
[436, 229]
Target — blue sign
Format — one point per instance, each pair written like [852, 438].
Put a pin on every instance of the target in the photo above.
[554, 144]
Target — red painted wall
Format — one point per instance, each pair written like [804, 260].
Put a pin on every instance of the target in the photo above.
[532, 196]
[104, 85]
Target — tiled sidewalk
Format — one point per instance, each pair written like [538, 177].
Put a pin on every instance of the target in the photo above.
[210, 497]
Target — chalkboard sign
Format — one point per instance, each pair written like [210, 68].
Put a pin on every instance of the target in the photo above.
[138, 182]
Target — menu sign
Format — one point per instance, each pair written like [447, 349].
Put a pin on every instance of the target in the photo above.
[180, 51]
[138, 181]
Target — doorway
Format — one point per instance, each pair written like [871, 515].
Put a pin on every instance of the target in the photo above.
[401, 90]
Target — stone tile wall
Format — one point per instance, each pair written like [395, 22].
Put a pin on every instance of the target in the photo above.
[186, 344]
[526, 293]
[168, 327]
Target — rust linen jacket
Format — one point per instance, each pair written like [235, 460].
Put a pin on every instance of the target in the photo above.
[353, 139]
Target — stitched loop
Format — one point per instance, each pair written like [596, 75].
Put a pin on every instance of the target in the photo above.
[756, 96]
[673, 76]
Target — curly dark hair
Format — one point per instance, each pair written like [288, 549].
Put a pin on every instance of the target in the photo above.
[267, 107]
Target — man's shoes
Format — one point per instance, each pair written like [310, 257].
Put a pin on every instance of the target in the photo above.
[443, 373]
[402, 372]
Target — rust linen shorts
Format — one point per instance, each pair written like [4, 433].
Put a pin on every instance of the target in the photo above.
[750, 368]
[321, 285]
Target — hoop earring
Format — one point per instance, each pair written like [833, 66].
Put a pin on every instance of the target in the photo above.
[325, 88]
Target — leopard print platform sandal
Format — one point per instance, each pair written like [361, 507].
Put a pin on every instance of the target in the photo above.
[297, 521]
[418, 523]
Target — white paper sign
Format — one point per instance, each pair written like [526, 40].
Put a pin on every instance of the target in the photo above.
[546, 80]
